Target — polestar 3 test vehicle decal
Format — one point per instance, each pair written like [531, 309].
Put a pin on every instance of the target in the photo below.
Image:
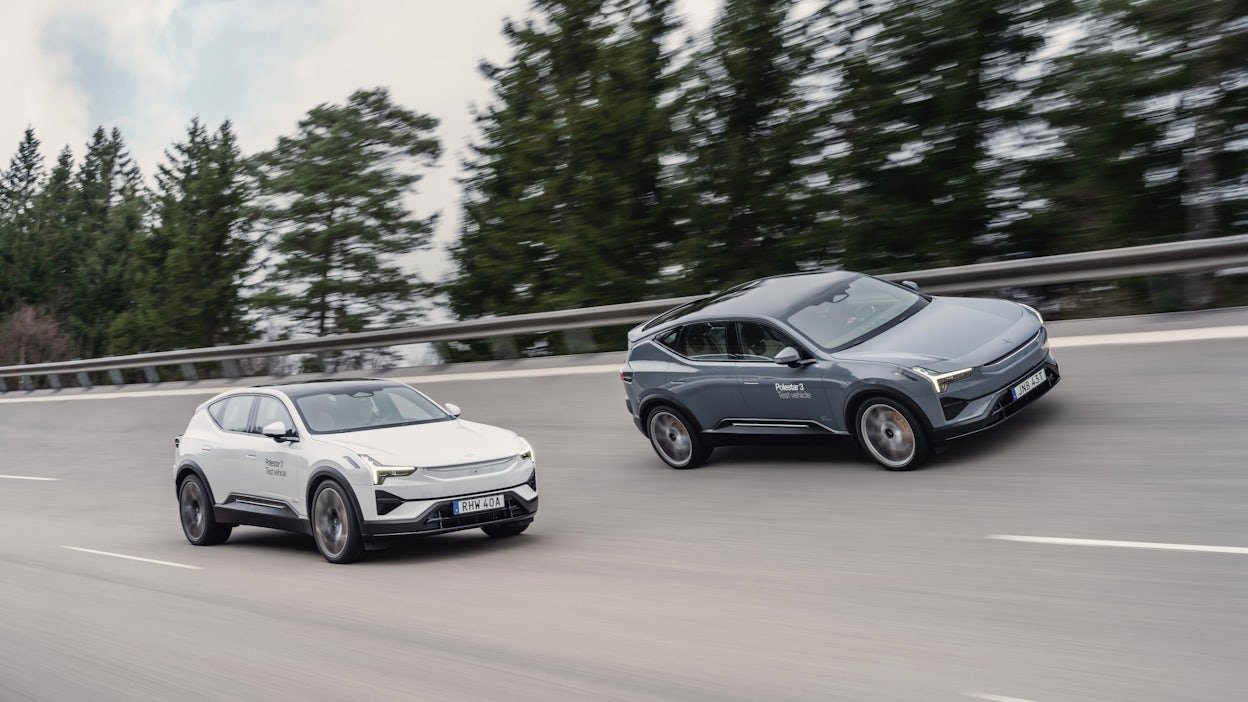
[832, 353]
[348, 462]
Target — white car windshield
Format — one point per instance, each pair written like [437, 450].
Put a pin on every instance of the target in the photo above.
[355, 409]
[852, 312]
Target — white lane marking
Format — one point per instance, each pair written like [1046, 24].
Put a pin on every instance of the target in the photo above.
[1152, 337]
[133, 558]
[1120, 544]
[1130, 338]
[994, 698]
[25, 477]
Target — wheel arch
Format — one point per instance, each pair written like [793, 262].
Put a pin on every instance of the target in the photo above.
[189, 467]
[325, 473]
[860, 395]
[649, 404]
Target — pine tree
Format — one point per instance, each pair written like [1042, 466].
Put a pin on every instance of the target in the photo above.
[927, 86]
[19, 252]
[186, 270]
[109, 209]
[332, 195]
[758, 137]
[565, 203]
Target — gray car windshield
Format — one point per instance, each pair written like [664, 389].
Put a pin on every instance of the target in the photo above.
[370, 408]
[850, 313]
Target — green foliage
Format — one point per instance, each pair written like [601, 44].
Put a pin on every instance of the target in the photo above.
[755, 121]
[332, 195]
[186, 271]
[565, 203]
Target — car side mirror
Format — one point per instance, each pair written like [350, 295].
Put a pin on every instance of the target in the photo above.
[911, 284]
[790, 356]
[454, 410]
[279, 432]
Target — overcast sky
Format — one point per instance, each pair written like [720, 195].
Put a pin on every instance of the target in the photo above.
[148, 66]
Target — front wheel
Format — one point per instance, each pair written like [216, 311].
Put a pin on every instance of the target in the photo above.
[891, 435]
[195, 510]
[334, 526]
[675, 439]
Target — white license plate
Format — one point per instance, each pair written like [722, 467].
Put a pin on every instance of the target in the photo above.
[479, 504]
[1029, 384]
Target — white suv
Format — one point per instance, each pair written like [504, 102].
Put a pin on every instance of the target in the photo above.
[349, 462]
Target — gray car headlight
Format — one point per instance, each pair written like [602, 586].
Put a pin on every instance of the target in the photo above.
[381, 471]
[941, 381]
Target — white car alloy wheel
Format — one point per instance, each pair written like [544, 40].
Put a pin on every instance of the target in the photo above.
[334, 527]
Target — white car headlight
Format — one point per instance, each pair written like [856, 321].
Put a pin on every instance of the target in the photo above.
[381, 471]
[526, 450]
[941, 381]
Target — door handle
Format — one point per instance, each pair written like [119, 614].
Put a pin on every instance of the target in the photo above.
[750, 381]
[251, 455]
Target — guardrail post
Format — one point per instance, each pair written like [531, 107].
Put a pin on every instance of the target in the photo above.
[230, 367]
[188, 372]
[54, 380]
[84, 380]
[114, 377]
[579, 340]
[149, 372]
[27, 383]
[504, 347]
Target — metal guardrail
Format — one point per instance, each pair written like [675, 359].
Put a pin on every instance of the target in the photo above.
[1177, 257]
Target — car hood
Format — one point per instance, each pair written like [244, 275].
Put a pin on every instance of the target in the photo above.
[428, 445]
[951, 333]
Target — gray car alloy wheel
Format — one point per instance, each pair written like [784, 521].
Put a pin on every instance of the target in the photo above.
[888, 435]
[193, 505]
[671, 438]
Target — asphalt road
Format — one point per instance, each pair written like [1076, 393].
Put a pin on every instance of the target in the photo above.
[772, 573]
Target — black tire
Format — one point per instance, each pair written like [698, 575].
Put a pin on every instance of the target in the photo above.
[195, 513]
[502, 531]
[890, 434]
[676, 439]
[335, 527]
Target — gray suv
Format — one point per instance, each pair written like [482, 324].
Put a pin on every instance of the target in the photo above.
[837, 353]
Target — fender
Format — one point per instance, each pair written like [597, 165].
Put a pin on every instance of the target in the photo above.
[334, 473]
[857, 394]
[189, 466]
[663, 397]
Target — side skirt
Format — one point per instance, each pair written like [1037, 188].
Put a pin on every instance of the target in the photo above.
[261, 512]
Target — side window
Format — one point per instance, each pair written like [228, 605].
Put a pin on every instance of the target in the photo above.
[269, 410]
[759, 342]
[231, 413]
[700, 341]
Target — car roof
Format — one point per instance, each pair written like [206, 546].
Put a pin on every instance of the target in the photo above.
[303, 388]
[765, 297]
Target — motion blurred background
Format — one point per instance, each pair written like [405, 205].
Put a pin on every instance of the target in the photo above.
[589, 152]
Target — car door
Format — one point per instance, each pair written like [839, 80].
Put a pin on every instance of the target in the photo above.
[774, 391]
[273, 469]
[703, 374]
[222, 458]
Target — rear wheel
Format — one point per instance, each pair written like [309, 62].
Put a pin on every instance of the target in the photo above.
[334, 525]
[195, 511]
[890, 434]
[499, 531]
[675, 440]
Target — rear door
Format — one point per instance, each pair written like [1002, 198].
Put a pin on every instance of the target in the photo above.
[703, 374]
